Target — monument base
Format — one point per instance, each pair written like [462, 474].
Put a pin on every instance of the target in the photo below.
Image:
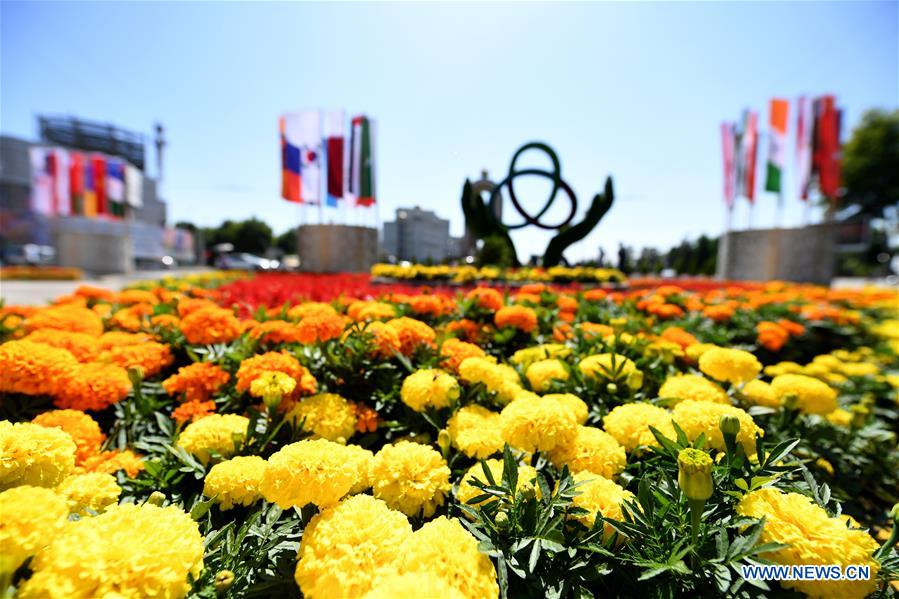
[337, 248]
[804, 255]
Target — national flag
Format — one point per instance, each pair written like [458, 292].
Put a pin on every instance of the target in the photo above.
[748, 152]
[362, 181]
[826, 153]
[61, 182]
[76, 182]
[41, 182]
[777, 144]
[115, 186]
[333, 130]
[90, 188]
[134, 186]
[804, 128]
[727, 151]
[98, 162]
[301, 156]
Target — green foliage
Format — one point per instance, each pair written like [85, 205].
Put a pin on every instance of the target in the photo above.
[870, 159]
[251, 235]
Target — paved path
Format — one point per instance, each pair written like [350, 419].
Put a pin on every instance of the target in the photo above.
[40, 292]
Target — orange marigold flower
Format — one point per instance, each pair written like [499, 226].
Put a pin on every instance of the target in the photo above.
[83, 429]
[367, 419]
[66, 318]
[165, 321]
[718, 312]
[562, 332]
[192, 410]
[111, 462]
[274, 331]
[385, 339]
[120, 339]
[83, 346]
[453, 351]
[487, 298]
[311, 309]
[135, 296]
[198, 381]
[210, 325]
[90, 292]
[365, 311]
[665, 310]
[132, 318]
[771, 335]
[566, 303]
[320, 327]
[69, 301]
[252, 368]
[93, 386]
[519, 317]
[566, 316]
[34, 368]
[535, 288]
[793, 328]
[595, 295]
[189, 305]
[594, 329]
[151, 357]
[465, 329]
[679, 336]
[526, 298]
[412, 333]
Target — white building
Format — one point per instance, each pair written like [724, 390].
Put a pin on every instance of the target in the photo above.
[418, 236]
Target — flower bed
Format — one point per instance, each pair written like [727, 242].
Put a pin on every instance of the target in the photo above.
[40, 273]
[541, 441]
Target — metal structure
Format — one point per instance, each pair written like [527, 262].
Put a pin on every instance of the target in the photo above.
[484, 219]
[92, 136]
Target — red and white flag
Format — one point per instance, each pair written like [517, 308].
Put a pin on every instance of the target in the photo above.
[334, 131]
[826, 156]
[302, 150]
[747, 151]
[804, 127]
[728, 151]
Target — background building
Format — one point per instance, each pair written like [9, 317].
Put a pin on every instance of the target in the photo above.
[120, 236]
[419, 236]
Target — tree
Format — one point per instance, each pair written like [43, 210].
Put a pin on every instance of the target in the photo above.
[871, 163]
[287, 241]
[252, 235]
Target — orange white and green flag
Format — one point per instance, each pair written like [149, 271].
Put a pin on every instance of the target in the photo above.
[777, 144]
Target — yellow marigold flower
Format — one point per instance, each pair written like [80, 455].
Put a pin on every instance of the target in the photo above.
[572, 403]
[695, 351]
[475, 431]
[347, 547]
[221, 434]
[129, 551]
[31, 454]
[429, 388]
[732, 365]
[271, 386]
[326, 415]
[537, 425]
[307, 309]
[613, 368]
[840, 417]
[629, 424]
[94, 386]
[314, 471]
[591, 449]
[500, 379]
[859, 369]
[467, 491]
[361, 459]
[454, 351]
[252, 368]
[527, 356]
[66, 318]
[812, 396]
[824, 465]
[34, 368]
[81, 345]
[692, 386]
[542, 373]
[235, 481]
[83, 429]
[697, 417]
[760, 393]
[32, 517]
[600, 496]
[443, 547]
[410, 477]
[783, 368]
[366, 311]
[813, 538]
[90, 492]
[413, 585]
[197, 381]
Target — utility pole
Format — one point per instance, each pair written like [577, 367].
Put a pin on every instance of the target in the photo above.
[160, 146]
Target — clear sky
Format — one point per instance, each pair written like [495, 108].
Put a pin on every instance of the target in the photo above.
[635, 90]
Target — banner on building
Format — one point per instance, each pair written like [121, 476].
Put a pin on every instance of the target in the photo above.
[50, 194]
[777, 144]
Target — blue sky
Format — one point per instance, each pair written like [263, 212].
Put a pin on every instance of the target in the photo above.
[636, 90]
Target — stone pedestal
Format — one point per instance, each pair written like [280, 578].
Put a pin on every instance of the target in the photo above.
[94, 245]
[806, 254]
[337, 248]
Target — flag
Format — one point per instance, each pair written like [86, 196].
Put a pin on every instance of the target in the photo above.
[90, 188]
[777, 144]
[76, 182]
[728, 147]
[98, 161]
[362, 181]
[747, 150]
[115, 186]
[61, 186]
[41, 182]
[301, 156]
[826, 152]
[134, 186]
[804, 146]
[333, 129]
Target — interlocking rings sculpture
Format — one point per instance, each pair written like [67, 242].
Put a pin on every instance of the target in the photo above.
[482, 221]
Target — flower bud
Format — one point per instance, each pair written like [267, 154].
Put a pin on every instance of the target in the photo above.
[694, 474]
[790, 401]
[502, 520]
[859, 415]
[618, 322]
[729, 424]
[156, 498]
[223, 580]
[443, 442]
[894, 514]
[612, 388]
[635, 379]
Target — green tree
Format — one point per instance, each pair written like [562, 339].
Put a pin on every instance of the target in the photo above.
[871, 163]
[496, 252]
[252, 235]
[287, 241]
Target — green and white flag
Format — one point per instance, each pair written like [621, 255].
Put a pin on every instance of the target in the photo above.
[777, 145]
[362, 163]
